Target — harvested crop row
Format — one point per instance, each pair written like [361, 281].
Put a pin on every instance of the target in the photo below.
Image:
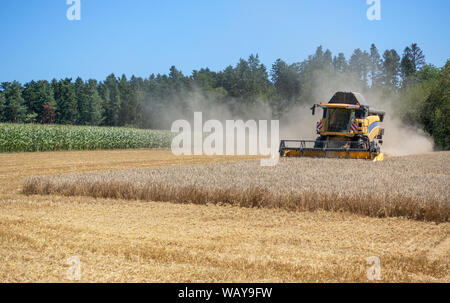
[416, 187]
[35, 137]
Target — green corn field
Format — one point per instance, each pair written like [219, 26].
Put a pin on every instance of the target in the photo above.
[36, 137]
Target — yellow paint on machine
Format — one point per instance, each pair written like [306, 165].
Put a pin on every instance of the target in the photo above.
[363, 128]
[334, 154]
[357, 137]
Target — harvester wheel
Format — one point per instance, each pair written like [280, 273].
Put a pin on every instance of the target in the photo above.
[361, 144]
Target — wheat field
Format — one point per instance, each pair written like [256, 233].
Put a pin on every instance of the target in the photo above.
[120, 240]
[415, 187]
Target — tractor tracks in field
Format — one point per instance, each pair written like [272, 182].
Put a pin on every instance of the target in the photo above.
[436, 248]
[440, 250]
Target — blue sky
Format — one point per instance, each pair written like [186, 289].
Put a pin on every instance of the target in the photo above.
[141, 37]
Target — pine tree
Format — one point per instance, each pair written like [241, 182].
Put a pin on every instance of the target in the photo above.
[286, 81]
[30, 96]
[375, 69]
[95, 106]
[407, 68]
[129, 102]
[138, 86]
[259, 77]
[2, 106]
[359, 65]
[391, 68]
[112, 101]
[242, 81]
[287, 85]
[327, 58]
[205, 78]
[417, 57]
[15, 109]
[37, 95]
[413, 60]
[104, 95]
[176, 80]
[340, 63]
[82, 102]
[320, 59]
[66, 103]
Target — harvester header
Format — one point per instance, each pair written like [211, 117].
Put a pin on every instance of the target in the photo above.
[348, 129]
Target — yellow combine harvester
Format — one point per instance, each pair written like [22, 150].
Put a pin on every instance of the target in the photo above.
[348, 129]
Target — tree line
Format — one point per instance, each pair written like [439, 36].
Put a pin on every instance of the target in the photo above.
[419, 92]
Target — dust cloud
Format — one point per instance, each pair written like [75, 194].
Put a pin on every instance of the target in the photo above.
[400, 139]
[298, 123]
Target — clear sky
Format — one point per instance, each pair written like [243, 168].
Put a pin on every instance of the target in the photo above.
[141, 37]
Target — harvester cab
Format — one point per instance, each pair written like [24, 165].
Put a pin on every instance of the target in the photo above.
[348, 129]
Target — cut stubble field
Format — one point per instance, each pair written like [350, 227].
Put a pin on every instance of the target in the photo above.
[144, 241]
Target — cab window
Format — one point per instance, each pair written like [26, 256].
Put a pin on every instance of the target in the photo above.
[339, 119]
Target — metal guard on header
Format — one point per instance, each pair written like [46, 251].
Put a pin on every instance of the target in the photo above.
[347, 152]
